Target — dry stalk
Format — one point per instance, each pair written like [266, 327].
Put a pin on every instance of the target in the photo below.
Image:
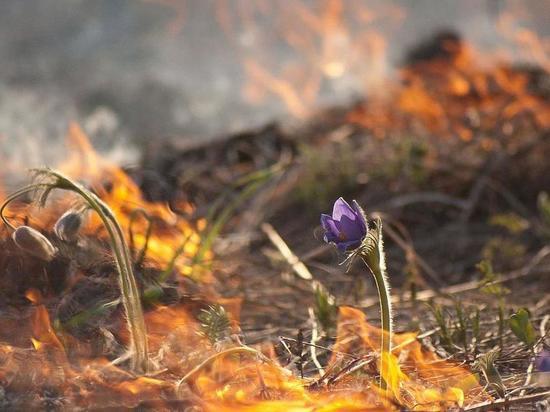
[503, 403]
[524, 271]
[298, 266]
[208, 361]
[313, 341]
[50, 180]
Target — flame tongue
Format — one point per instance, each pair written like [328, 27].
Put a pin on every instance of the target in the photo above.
[84, 378]
[169, 232]
[417, 379]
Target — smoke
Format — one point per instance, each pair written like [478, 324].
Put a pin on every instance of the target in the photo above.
[34, 122]
[179, 68]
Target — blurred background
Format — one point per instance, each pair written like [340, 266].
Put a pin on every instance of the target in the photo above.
[134, 72]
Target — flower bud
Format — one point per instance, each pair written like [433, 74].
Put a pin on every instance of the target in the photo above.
[34, 243]
[542, 361]
[67, 226]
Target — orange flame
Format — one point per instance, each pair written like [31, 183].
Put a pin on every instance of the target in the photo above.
[169, 232]
[240, 382]
[456, 95]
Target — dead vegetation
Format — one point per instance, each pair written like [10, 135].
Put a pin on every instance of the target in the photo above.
[466, 214]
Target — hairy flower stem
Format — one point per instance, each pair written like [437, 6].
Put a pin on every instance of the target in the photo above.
[128, 286]
[383, 288]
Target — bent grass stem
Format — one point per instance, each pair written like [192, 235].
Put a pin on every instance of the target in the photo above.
[208, 361]
[15, 195]
[139, 360]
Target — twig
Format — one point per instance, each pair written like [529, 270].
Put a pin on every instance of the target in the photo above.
[491, 165]
[499, 403]
[282, 341]
[408, 248]
[313, 341]
[303, 272]
[240, 349]
[350, 368]
[474, 196]
[344, 354]
[509, 197]
[297, 265]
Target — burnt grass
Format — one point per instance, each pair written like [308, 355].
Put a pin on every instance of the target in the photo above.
[447, 204]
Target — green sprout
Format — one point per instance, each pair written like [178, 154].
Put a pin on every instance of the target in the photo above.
[214, 323]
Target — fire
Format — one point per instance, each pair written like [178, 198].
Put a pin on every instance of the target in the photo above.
[334, 49]
[453, 96]
[337, 42]
[235, 378]
[420, 380]
[453, 93]
[169, 232]
[224, 376]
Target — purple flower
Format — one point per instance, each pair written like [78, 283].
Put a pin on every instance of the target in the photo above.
[542, 361]
[347, 227]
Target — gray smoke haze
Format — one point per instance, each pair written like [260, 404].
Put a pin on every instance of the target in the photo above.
[136, 71]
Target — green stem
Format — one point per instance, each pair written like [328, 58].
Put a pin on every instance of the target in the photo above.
[134, 310]
[131, 300]
[129, 291]
[383, 288]
[128, 285]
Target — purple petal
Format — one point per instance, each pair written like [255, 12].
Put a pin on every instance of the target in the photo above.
[342, 208]
[329, 224]
[347, 227]
[543, 361]
[344, 246]
[361, 215]
[331, 230]
[329, 237]
[351, 229]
